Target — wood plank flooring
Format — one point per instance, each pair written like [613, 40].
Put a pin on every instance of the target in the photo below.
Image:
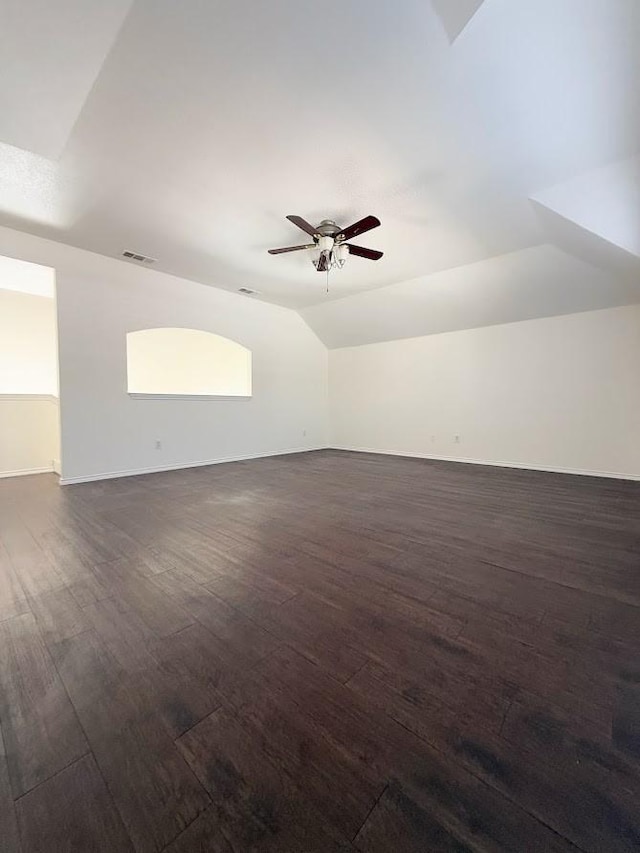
[321, 652]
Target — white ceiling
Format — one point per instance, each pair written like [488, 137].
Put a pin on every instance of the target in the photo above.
[456, 15]
[206, 123]
[51, 54]
[542, 281]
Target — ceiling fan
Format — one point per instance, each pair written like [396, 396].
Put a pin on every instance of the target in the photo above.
[330, 248]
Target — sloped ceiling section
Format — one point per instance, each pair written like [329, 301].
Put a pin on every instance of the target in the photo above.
[51, 55]
[596, 216]
[188, 131]
[456, 14]
[591, 260]
[542, 281]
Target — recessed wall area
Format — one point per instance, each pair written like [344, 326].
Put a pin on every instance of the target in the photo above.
[29, 418]
[188, 362]
[27, 344]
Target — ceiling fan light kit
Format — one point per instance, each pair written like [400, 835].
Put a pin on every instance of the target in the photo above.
[341, 253]
[314, 254]
[330, 248]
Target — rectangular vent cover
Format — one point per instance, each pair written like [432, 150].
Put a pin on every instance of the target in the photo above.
[134, 256]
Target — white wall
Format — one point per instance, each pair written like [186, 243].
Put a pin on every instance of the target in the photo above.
[560, 393]
[29, 428]
[105, 431]
[28, 358]
[29, 434]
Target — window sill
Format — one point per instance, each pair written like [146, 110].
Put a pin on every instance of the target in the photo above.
[139, 396]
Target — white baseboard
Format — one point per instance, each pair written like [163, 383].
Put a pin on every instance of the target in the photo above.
[492, 462]
[133, 472]
[25, 472]
[28, 398]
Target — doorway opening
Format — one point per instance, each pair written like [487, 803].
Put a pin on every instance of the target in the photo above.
[29, 398]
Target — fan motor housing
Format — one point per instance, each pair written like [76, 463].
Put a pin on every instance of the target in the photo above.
[328, 228]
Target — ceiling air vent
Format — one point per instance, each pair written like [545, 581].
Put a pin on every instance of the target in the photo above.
[134, 256]
[247, 290]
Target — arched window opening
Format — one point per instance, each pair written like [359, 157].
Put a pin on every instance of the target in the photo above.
[186, 362]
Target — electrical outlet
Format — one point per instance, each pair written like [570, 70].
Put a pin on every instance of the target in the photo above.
[304, 433]
[456, 438]
[158, 444]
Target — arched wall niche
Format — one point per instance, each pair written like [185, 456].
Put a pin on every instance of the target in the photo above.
[186, 362]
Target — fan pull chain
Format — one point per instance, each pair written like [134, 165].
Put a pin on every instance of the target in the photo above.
[327, 279]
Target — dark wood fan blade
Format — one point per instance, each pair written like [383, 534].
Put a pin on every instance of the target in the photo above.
[302, 223]
[290, 249]
[323, 263]
[360, 227]
[372, 254]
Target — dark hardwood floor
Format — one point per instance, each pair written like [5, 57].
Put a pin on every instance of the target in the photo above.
[320, 652]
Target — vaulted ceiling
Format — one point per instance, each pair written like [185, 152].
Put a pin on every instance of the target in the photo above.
[496, 141]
